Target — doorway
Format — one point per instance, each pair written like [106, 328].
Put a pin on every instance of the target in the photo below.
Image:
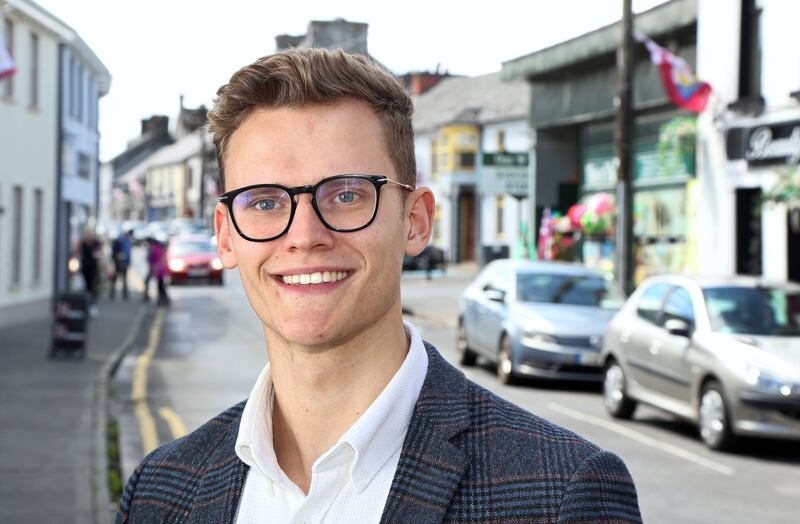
[748, 232]
[793, 245]
[466, 225]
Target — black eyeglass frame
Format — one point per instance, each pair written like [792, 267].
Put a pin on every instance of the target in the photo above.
[378, 181]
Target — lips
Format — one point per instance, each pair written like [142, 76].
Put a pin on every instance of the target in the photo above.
[310, 279]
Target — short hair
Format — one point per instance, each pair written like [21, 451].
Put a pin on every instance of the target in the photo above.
[300, 77]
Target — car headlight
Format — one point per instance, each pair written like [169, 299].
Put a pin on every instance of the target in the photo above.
[766, 381]
[217, 264]
[176, 264]
[538, 339]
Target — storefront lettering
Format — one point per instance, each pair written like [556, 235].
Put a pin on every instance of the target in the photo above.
[762, 146]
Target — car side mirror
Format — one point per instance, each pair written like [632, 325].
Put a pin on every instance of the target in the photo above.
[495, 295]
[678, 327]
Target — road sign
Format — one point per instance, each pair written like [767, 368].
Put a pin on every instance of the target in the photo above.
[504, 173]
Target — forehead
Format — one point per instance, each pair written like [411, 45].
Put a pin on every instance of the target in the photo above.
[302, 145]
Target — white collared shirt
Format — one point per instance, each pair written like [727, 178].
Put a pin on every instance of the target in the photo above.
[350, 482]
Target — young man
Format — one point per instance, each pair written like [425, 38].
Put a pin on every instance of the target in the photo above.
[355, 418]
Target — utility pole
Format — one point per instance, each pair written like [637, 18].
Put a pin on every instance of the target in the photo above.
[623, 263]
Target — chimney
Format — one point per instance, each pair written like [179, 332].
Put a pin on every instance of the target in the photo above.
[155, 125]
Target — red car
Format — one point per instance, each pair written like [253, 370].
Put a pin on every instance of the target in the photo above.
[193, 258]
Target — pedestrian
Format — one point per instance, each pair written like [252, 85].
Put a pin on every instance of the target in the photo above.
[90, 252]
[157, 262]
[121, 257]
[354, 418]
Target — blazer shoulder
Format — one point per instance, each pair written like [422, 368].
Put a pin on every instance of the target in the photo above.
[174, 476]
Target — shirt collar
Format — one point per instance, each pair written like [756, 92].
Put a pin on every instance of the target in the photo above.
[374, 437]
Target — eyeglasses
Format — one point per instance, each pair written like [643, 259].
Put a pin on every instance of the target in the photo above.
[343, 203]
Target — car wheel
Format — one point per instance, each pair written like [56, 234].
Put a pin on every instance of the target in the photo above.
[505, 362]
[714, 423]
[466, 357]
[618, 404]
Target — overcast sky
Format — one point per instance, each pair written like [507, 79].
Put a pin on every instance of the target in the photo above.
[159, 49]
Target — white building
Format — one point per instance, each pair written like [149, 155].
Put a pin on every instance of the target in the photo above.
[748, 136]
[31, 158]
[458, 124]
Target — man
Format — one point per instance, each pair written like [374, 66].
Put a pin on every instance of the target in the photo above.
[355, 418]
[121, 255]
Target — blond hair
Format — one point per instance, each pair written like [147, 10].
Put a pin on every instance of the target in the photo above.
[295, 78]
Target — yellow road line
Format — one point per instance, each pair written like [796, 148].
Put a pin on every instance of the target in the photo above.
[175, 422]
[147, 424]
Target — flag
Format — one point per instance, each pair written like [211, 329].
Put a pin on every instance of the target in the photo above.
[135, 188]
[684, 89]
[7, 66]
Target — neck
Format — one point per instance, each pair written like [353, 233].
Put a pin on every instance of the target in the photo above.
[321, 392]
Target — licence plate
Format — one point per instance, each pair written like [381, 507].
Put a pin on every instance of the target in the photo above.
[589, 359]
[198, 272]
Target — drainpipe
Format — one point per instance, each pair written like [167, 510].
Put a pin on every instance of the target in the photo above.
[57, 254]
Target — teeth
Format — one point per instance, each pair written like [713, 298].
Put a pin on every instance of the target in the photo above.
[314, 278]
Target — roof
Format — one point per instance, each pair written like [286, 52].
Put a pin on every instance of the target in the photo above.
[664, 18]
[547, 266]
[478, 100]
[185, 147]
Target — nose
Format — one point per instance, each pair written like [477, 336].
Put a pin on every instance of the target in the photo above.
[307, 230]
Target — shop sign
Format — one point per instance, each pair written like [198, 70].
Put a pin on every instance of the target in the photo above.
[504, 173]
[777, 144]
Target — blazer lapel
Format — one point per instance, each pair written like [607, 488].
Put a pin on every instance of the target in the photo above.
[431, 467]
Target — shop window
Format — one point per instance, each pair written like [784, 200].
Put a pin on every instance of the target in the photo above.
[84, 166]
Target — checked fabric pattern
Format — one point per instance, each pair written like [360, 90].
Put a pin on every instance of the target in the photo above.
[469, 456]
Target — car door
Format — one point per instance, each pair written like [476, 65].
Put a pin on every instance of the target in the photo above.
[474, 308]
[670, 361]
[494, 312]
[641, 337]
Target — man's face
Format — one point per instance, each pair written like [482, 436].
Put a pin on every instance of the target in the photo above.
[301, 146]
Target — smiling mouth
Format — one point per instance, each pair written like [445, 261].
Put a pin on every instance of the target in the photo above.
[318, 277]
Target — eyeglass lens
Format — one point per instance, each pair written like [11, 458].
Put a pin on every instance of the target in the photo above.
[345, 203]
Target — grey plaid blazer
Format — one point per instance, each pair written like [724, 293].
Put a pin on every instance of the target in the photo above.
[468, 456]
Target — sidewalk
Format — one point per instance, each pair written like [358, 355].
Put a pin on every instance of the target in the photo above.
[52, 419]
[437, 299]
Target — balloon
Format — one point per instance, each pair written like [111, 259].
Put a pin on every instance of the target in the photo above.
[575, 213]
[600, 203]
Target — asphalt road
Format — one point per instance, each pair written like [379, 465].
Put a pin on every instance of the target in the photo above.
[210, 350]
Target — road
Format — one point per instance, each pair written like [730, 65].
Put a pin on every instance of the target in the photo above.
[210, 349]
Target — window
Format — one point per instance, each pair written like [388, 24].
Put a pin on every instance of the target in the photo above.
[679, 306]
[71, 89]
[499, 206]
[466, 159]
[16, 241]
[750, 50]
[84, 166]
[437, 224]
[434, 159]
[650, 302]
[79, 113]
[8, 32]
[37, 236]
[34, 65]
[189, 178]
[501, 141]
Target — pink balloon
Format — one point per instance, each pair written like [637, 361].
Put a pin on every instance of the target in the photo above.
[575, 213]
[600, 203]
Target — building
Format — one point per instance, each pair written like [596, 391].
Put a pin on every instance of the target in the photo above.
[44, 182]
[571, 118]
[340, 34]
[459, 124]
[749, 137]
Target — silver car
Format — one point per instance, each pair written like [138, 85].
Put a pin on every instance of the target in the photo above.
[723, 353]
[537, 319]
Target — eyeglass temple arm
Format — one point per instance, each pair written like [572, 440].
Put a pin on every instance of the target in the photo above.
[404, 186]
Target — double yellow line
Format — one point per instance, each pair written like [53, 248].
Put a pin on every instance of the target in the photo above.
[147, 424]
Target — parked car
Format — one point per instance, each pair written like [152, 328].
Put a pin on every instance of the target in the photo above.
[723, 353]
[193, 257]
[429, 259]
[537, 319]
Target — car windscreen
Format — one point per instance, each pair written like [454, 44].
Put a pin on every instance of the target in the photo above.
[577, 290]
[186, 248]
[753, 310]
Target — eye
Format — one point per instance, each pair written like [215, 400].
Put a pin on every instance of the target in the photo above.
[346, 197]
[265, 204]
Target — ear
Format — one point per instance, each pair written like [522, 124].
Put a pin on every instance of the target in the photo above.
[420, 206]
[224, 230]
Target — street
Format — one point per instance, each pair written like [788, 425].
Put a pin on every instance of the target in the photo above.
[209, 350]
